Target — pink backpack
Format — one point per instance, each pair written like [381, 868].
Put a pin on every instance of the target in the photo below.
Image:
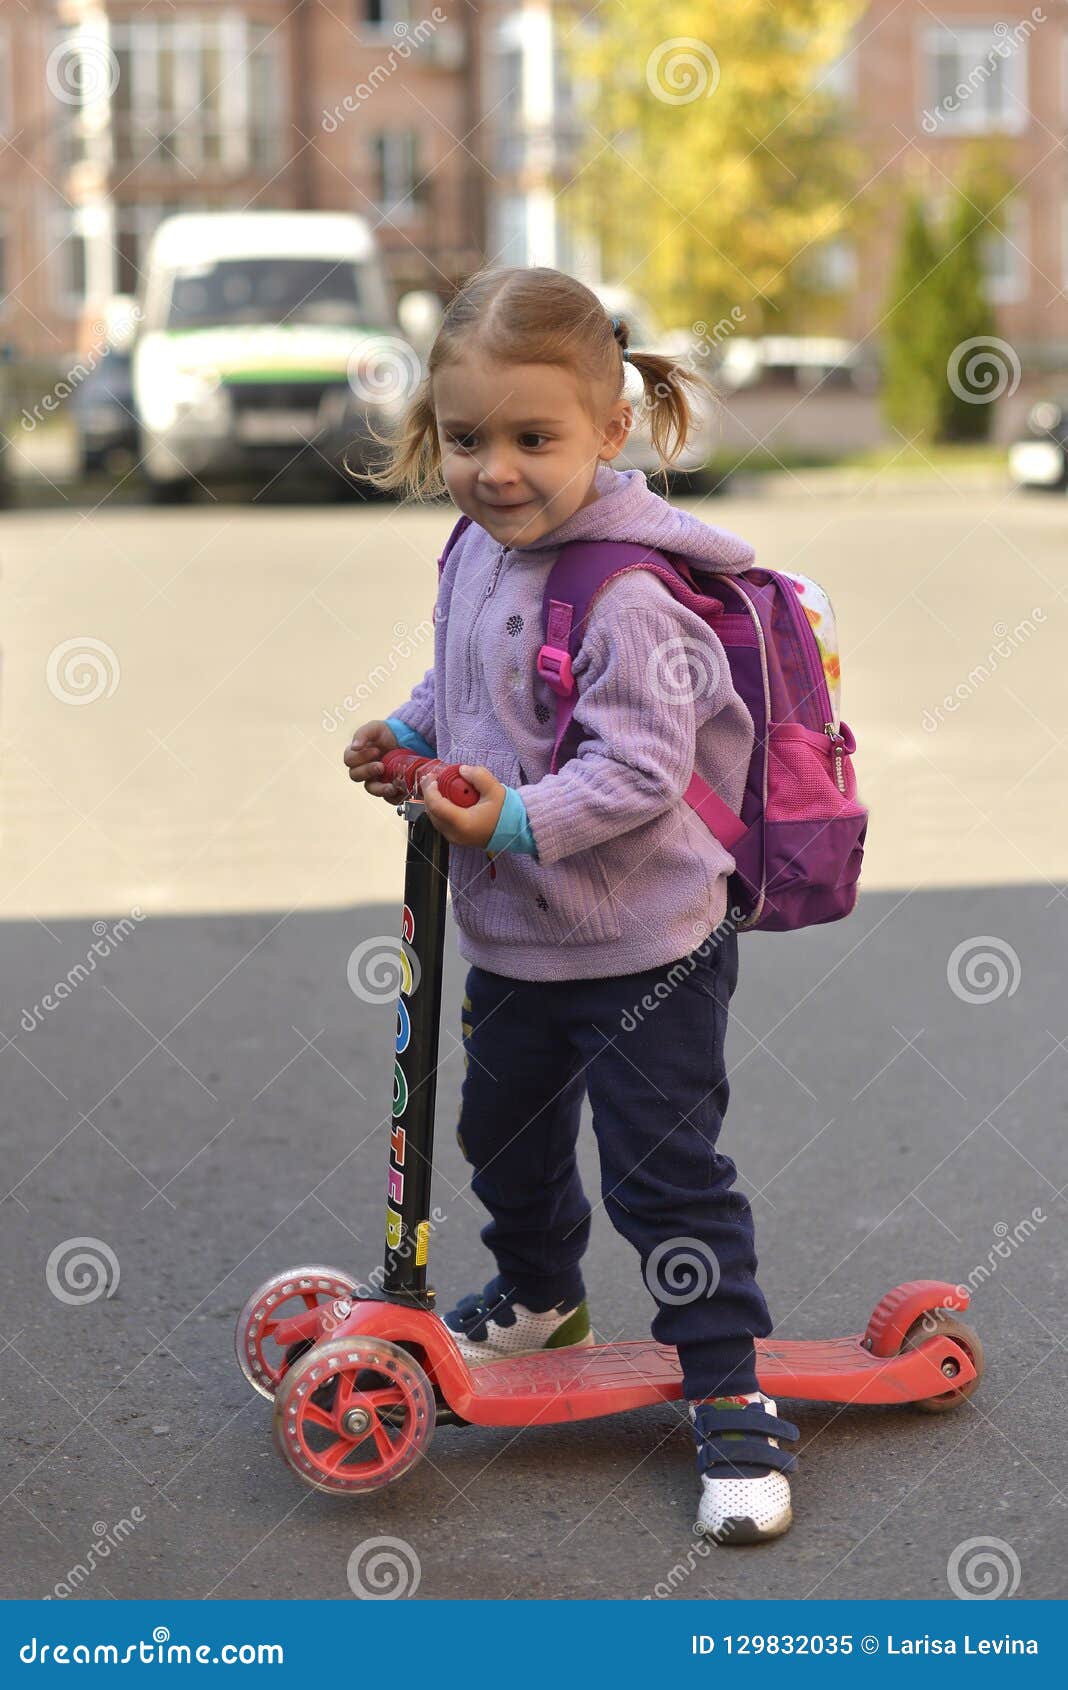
[799, 841]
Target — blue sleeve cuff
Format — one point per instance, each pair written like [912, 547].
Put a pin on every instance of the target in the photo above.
[512, 832]
[409, 740]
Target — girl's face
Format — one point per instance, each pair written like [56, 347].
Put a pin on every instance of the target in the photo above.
[518, 451]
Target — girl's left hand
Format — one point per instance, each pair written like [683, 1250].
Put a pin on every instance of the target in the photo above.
[474, 825]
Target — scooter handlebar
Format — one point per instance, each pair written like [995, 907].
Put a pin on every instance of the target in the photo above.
[409, 770]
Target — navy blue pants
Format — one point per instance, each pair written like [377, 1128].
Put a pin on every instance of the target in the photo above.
[648, 1048]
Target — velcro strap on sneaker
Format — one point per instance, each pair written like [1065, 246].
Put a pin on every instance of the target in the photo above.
[748, 1451]
[752, 1418]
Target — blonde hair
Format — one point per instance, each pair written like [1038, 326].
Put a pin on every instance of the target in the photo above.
[533, 315]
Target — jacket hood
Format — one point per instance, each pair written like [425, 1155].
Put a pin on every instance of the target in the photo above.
[628, 509]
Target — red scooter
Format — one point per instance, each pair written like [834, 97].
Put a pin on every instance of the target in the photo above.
[360, 1380]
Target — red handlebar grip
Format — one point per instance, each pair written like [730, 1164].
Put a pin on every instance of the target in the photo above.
[409, 769]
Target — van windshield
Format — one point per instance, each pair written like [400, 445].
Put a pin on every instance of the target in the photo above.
[333, 292]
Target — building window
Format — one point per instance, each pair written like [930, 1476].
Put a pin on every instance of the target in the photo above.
[975, 80]
[197, 95]
[7, 115]
[1005, 255]
[67, 259]
[401, 191]
[135, 224]
[832, 265]
[386, 14]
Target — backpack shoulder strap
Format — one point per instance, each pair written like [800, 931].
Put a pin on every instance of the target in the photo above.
[458, 527]
[581, 571]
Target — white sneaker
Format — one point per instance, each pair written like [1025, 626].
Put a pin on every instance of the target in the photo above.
[491, 1325]
[745, 1493]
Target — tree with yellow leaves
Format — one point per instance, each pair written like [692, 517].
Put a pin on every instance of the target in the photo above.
[716, 161]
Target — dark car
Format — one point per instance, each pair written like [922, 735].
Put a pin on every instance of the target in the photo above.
[1039, 458]
[103, 412]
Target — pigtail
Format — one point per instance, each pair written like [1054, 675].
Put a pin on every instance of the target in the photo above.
[666, 403]
[412, 458]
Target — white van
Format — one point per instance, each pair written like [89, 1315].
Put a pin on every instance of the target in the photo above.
[265, 337]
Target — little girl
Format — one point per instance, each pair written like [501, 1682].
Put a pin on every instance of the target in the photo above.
[578, 895]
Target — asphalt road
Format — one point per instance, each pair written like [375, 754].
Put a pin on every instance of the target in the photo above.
[212, 1103]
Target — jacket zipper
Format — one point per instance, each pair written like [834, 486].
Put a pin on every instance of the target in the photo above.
[469, 672]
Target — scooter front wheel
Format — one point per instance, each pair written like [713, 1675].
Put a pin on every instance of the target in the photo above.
[261, 1359]
[940, 1323]
[353, 1415]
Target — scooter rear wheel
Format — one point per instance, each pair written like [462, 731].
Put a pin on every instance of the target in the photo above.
[331, 1408]
[262, 1362]
[940, 1323]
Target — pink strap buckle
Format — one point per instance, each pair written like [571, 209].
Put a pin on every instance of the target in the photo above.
[554, 666]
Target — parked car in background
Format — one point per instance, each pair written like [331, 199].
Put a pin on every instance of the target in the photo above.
[103, 410]
[803, 361]
[266, 340]
[1039, 459]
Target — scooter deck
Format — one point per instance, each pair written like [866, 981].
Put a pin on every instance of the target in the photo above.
[579, 1384]
[572, 1384]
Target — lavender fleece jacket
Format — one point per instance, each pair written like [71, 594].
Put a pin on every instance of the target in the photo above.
[625, 875]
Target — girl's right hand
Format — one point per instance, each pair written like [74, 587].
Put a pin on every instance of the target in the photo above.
[364, 754]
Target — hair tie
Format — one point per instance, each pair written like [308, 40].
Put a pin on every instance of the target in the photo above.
[615, 330]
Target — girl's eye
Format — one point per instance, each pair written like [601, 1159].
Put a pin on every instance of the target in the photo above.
[466, 442]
